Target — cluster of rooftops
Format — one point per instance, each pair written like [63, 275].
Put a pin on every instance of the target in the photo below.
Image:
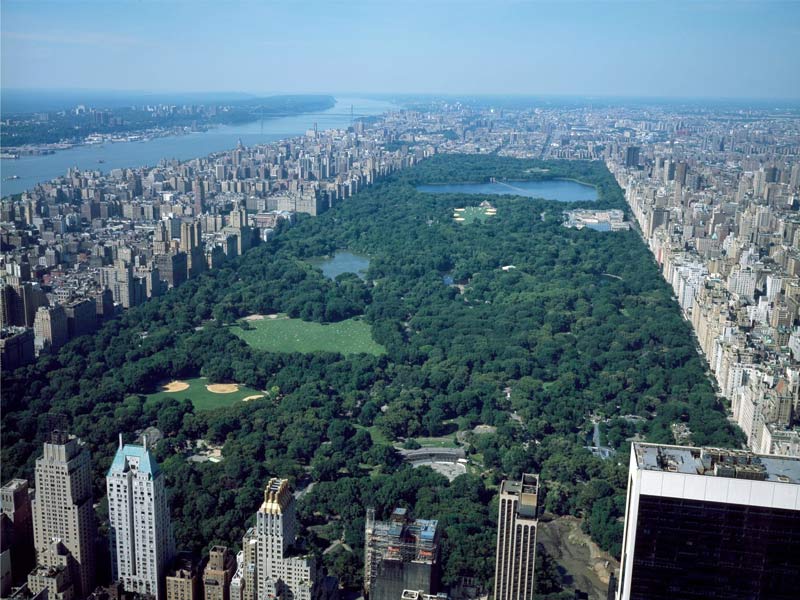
[717, 462]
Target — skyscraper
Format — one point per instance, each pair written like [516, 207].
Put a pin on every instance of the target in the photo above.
[632, 156]
[680, 173]
[139, 526]
[62, 511]
[517, 523]
[281, 569]
[706, 523]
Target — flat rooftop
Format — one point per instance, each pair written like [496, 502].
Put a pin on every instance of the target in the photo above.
[529, 484]
[527, 492]
[717, 462]
[14, 485]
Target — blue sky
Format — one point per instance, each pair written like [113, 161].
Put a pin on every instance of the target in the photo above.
[731, 49]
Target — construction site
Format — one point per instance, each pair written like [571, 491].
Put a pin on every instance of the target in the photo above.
[400, 554]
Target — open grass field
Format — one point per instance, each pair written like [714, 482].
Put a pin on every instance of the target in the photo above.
[282, 334]
[205, 395]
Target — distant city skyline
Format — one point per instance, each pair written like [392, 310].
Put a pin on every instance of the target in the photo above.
[680, 49]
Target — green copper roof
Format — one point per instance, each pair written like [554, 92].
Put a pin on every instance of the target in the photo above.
[147, 464]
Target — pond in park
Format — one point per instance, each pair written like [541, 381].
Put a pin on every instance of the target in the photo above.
[342, 261]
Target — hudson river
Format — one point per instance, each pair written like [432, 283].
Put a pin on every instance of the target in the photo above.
[35, 169]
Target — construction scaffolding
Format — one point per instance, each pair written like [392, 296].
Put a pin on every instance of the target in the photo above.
[389, 545]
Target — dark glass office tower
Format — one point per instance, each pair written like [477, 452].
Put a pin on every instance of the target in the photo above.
[706, 523]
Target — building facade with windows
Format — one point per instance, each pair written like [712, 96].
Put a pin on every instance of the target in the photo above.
[517, 524]
[142, 545]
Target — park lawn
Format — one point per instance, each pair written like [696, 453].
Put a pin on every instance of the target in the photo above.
[283, 334]
[202, 399]
[376, 434]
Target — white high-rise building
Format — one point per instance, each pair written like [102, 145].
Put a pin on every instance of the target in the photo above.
[742, 282]
[281, 570]
[774, 287]
[142, 545]
[63, 516]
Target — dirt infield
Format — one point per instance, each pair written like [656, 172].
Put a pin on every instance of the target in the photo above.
[255, 397]
[175, 386]
[223, 388]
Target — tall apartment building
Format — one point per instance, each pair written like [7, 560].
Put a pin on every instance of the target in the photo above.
[191, 244]
[517, 524]
[249, 580]
[62, 511]
[705, 523]
[237, 581]
[632, 156]
[16, 347]
[400, 554]
[142, 545]
[16, 540]
[81, 317]
[172, 267]
[218, 573]
[19, 300]
[161, 238]
[6, 573]
[50, 327]
[282, 570]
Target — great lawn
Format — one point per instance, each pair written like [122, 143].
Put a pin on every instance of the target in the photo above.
[279, 333]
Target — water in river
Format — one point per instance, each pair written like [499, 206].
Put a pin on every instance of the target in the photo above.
[35, 169]
[552, 189]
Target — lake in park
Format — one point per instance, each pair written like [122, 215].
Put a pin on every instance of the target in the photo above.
[343, 261]
[562, 190]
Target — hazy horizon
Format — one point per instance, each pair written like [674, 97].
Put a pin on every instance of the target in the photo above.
[240, 93]
[613, 49]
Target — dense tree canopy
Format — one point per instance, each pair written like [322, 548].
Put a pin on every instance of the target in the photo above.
[582, 326]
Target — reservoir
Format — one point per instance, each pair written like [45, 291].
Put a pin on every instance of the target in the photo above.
[553, 189]
[34, 169]
[343, 261]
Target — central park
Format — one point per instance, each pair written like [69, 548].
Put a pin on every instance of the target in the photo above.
[327, 379]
